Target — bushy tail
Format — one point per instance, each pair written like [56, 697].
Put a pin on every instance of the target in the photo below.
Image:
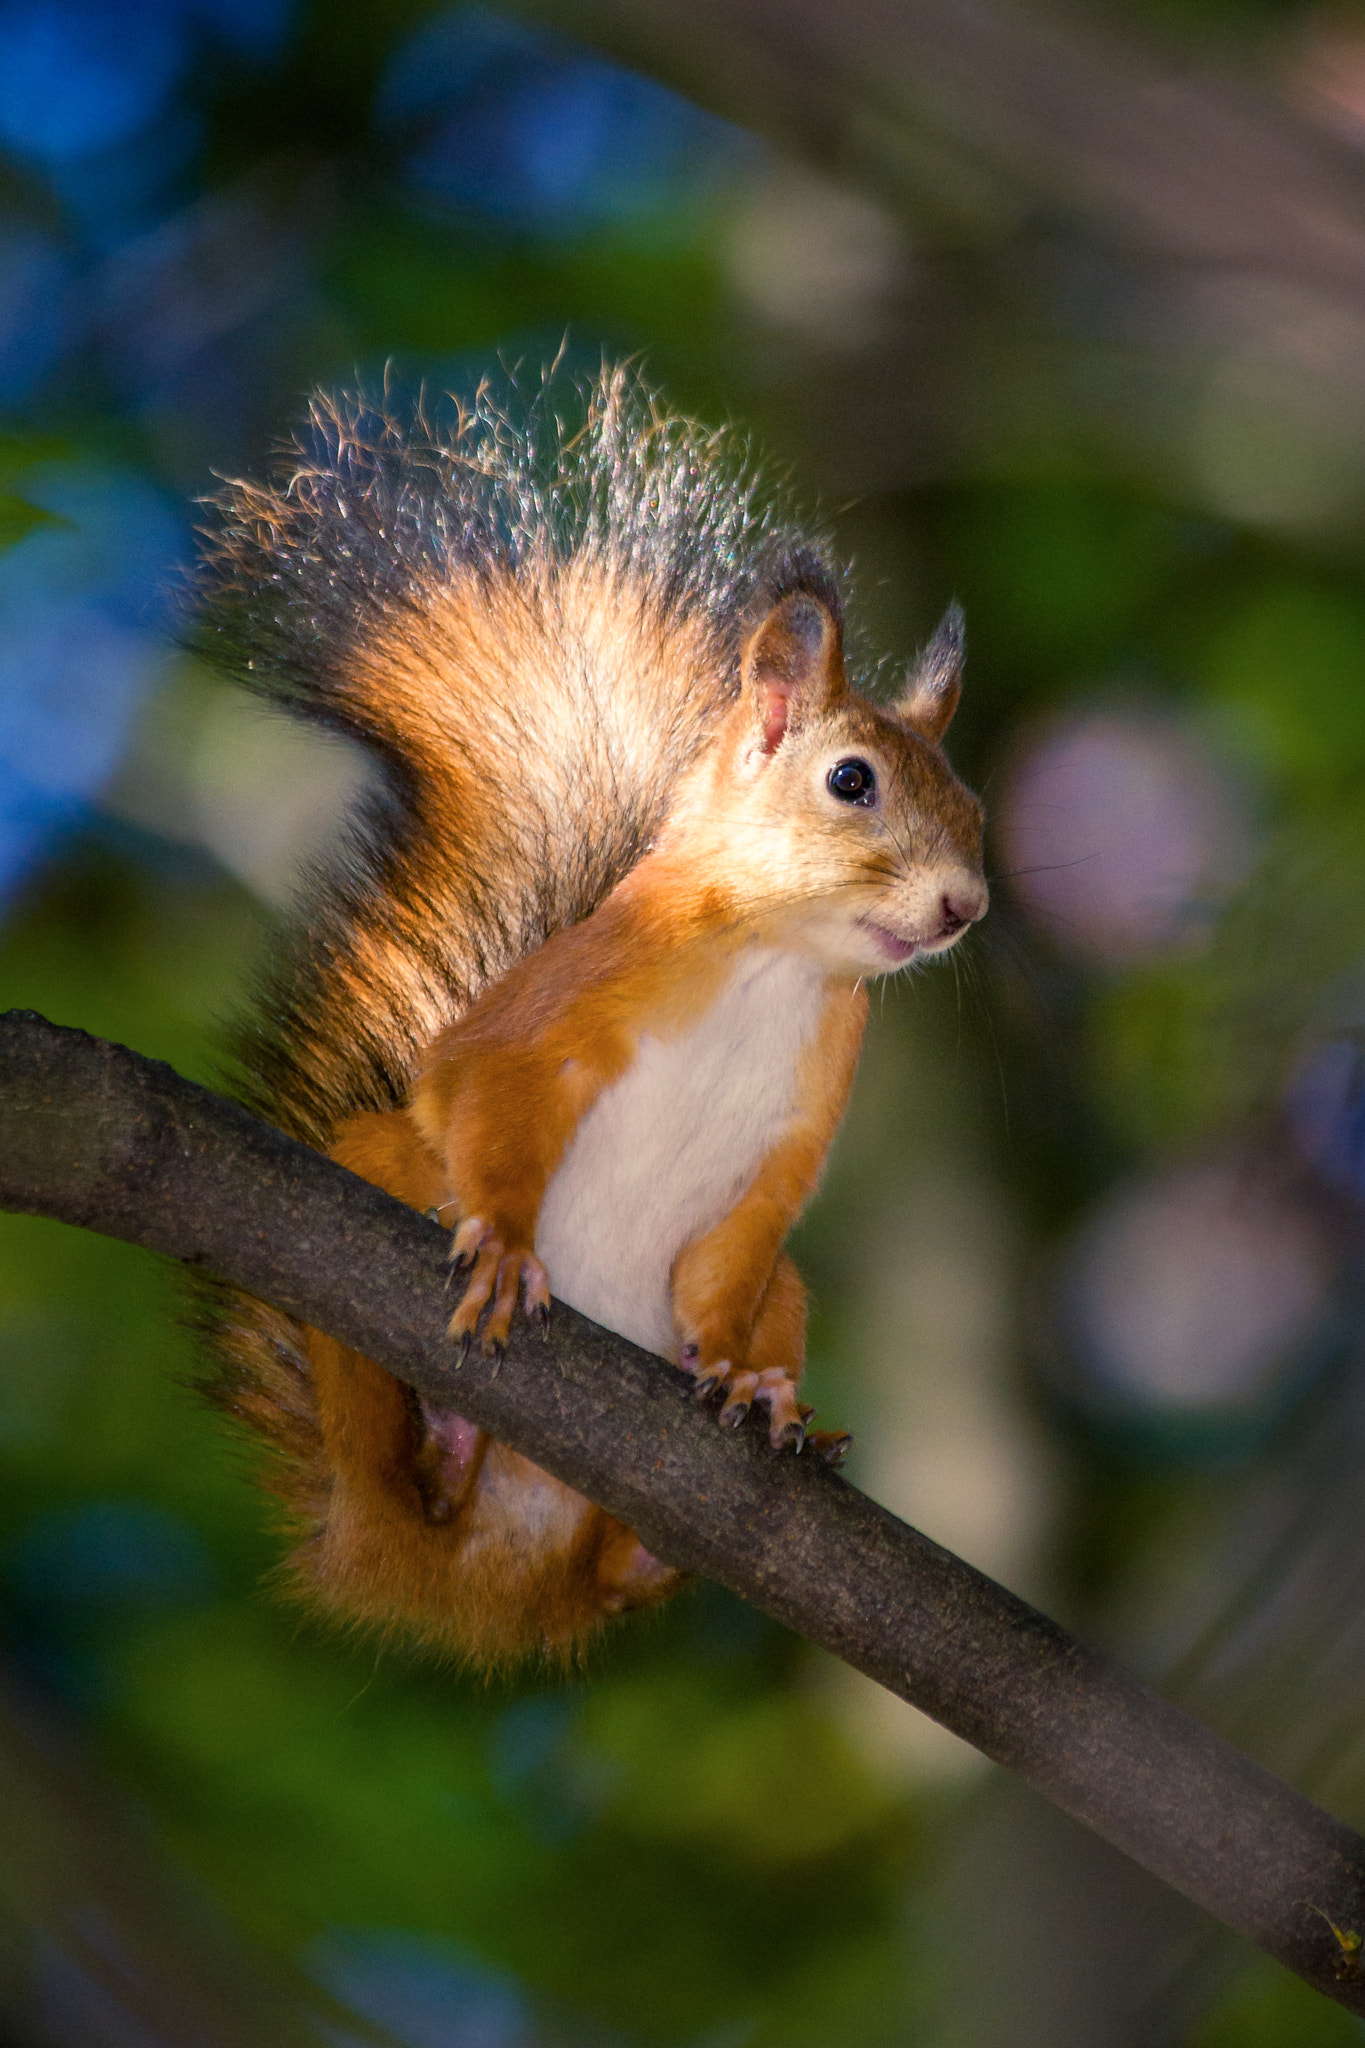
[531, 627]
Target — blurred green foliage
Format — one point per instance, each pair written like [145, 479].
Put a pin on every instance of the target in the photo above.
[17, 516]
[1270, 2010]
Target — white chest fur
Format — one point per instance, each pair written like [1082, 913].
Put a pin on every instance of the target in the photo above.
[666, 1151]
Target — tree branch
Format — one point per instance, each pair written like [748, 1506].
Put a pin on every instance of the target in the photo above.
[93, 1134]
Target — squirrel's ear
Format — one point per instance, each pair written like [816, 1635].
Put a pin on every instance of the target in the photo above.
[793, 665]
[934, 685]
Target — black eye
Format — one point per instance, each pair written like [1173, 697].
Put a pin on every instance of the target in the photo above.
[853, 782]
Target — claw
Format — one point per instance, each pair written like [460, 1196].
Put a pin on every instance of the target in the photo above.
[499, 1352]
[805, 1411]
[830, 1446]
[733, 1413]
[791, 1436]
[466, 1340]
[539, 1312]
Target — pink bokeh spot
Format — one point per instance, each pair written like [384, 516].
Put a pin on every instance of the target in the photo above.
[1121, 834]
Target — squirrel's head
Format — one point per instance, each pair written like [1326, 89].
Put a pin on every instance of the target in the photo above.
[859, 843]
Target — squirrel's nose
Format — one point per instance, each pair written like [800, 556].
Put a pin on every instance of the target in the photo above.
[963, 907]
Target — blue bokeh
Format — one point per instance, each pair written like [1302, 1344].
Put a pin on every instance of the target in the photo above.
[83, 75]
[538, 136]
[426, 1993]
[36, 311]
[83, 607]
[527, 1737]
[70, 1572]
[107, 1554]
[1325, 1105]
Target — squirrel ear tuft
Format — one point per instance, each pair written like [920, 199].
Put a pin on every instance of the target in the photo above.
[934, 685]
[793, 664]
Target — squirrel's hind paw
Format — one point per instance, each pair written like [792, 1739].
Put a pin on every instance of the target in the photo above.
[716, 1376]
[499, 1276]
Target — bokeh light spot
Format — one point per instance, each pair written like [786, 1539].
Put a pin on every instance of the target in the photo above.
[1121, 834]
[82, 75]
[427, 1993]
[109, 1554]
[1199, 1289]
[542, 137]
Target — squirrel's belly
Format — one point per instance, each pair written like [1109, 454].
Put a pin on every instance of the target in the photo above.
[666, 1151]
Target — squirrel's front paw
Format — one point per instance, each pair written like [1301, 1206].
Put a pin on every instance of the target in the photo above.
[772, 1390]
[501, 1271]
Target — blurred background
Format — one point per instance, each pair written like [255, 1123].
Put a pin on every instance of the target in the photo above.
[1060, 314]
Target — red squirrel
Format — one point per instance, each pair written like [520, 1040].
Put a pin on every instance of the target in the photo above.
[589, 980]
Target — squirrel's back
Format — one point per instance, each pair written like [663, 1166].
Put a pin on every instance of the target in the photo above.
[532, 627]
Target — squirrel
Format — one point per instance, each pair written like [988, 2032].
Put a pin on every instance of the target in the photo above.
[588, 979]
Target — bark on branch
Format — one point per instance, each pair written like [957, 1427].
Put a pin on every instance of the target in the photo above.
[93, 1134]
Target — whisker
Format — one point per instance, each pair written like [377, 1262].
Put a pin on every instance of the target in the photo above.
[886, 826]
[1000, 1072]
[1055, 867]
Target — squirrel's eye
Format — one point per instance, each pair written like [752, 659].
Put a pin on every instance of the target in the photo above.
[853, 782]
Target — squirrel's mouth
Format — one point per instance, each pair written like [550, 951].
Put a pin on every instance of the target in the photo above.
[897, 949]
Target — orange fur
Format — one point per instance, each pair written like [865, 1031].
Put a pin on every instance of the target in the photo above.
[735, 1303]
[616, 916]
